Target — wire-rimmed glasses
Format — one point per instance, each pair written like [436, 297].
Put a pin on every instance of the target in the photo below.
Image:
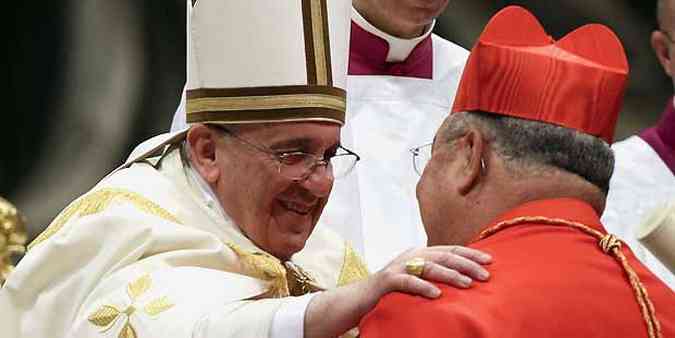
[297, 165]
[421, 156]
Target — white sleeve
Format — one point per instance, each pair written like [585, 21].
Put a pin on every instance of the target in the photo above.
[289, 320]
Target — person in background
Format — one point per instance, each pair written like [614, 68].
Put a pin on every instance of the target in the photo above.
[401, 83]
[644, 170]
[209, 231]
[521, 169]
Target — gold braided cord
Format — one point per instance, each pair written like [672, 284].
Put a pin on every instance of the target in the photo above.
[609, 245]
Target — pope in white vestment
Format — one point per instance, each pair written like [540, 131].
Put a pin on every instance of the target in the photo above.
[150, 251]
[399, 92]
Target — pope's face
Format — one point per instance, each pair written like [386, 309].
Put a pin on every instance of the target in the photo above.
[277, 213]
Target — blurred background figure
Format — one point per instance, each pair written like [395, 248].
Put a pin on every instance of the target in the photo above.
[113, 68]
[644, 171]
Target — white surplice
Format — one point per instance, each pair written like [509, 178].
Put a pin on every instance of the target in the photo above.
[375, 207]
[640, 183]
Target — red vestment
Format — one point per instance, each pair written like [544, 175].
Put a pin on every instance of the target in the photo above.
[546, 281]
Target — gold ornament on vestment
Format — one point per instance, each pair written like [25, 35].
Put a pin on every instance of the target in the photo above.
[13, 237]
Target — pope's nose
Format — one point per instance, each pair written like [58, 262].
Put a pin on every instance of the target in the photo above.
[319, 182]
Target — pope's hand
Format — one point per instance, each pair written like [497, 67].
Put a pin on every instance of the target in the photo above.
[333, 312]
[454, 265]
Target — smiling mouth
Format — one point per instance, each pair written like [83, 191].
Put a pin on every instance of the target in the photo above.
[298, 208]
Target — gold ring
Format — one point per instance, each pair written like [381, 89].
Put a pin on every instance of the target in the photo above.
[415, 266]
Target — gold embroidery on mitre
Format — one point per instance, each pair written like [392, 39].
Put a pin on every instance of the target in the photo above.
[317, 42]
[263, 266]
[107, 315]
[267, 102]
[353, 268]
[98, 201]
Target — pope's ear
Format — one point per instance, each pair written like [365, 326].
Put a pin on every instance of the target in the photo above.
[203, 144]
[470, 149]
[660, 45]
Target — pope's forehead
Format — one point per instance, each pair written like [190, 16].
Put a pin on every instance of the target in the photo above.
[305, 131]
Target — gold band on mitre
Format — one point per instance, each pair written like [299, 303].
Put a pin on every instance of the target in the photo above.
[266, 104]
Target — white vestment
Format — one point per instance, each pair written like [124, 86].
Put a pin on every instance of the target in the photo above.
[146, 254]
[375, 207]
[640, 182]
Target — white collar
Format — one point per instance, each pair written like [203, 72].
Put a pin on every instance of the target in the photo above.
[399, 48]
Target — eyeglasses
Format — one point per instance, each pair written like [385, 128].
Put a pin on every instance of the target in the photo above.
[421, 156]
[297, 165]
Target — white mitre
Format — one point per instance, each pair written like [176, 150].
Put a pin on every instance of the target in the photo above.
[253, 68]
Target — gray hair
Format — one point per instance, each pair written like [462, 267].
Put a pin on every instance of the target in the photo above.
[533, 148]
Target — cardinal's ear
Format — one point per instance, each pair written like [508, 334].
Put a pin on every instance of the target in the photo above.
[469, 152]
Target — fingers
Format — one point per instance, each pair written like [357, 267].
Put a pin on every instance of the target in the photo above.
[465, 267]
[452, 265]
[438, 273]
[415, 286]
[472, 254]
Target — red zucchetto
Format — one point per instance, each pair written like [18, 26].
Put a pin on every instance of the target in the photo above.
[516, 69]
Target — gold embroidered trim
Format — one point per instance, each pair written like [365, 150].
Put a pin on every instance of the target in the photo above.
[263, 266]
[321, 42]
[97, 201]
[353, 269]
[107, 315]
[267, 102]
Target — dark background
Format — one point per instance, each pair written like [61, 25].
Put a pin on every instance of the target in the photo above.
[90, 79]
